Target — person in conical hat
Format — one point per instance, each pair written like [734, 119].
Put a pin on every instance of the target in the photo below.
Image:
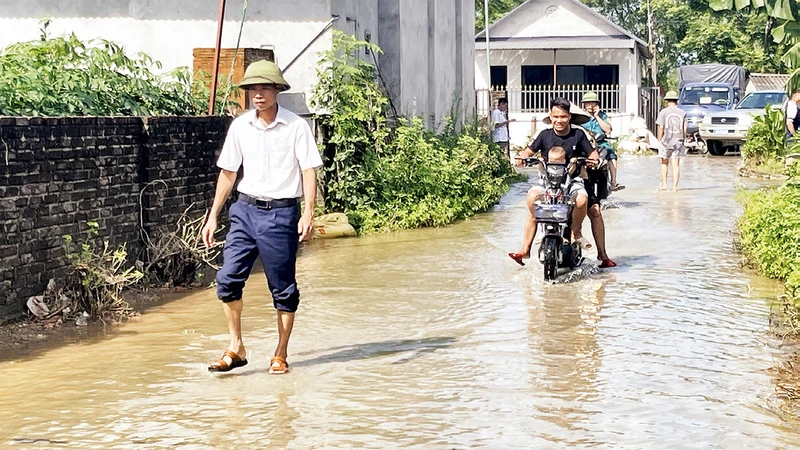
[280, 156]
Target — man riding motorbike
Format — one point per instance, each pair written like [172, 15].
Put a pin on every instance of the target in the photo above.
[576, 143]
[600, 126]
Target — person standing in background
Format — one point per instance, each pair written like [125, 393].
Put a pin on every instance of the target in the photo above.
[500, 134]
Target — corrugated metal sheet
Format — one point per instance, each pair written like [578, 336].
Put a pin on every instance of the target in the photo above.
[769, 81]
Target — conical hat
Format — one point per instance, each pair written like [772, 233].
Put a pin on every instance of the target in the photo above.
[579, 116]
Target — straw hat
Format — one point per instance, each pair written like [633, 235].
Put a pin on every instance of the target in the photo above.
[263, 72]
[579, 116]
[671, 95]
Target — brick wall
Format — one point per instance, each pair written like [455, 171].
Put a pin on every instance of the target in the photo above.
[56, 174]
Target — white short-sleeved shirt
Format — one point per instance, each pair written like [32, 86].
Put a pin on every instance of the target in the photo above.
[499, 134]
[273, 158]
[791, 110]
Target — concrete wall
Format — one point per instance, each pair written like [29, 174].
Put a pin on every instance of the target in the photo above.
[63, 172]
[430, 67]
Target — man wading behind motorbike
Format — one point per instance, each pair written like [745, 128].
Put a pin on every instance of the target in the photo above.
[575, 143]
[599, 126]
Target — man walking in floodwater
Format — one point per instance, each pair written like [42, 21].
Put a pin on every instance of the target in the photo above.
[277, 150]
[671, 123]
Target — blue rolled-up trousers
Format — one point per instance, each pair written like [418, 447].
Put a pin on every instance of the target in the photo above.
[267, 233]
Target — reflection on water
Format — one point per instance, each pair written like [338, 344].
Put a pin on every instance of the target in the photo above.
[435, 339]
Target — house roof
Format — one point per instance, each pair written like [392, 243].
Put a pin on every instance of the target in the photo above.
[557, 43]
[567, 42]
[769, 81]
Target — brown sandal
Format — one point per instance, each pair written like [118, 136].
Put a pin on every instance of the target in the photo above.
[221, 366]
[278, 365]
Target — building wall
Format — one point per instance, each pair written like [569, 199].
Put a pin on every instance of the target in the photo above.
[63, 172]
[432, 73]
[169, 30]
[515, 59]
[412, 33]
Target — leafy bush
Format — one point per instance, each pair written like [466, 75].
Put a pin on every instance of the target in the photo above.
[406, 177]
[65, 76]
[766, 138]
[770, 233]
[98, 277]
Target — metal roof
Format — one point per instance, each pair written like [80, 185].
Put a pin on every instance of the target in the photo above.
[769, 81]
[565, 42]
[557, 43]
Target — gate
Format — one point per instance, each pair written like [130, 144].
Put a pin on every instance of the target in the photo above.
[649, 106]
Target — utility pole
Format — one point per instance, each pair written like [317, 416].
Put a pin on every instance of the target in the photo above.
[488, 62]
[651, 45]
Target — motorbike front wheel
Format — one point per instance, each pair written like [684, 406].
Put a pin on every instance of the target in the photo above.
[550, 263]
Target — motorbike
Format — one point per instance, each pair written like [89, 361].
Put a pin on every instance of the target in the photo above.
[693, 142]
[554, 218]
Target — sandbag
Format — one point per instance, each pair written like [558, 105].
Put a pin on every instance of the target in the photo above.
[332, 225]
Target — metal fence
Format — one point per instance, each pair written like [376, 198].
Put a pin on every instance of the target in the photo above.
[536, 99]
[649, 105]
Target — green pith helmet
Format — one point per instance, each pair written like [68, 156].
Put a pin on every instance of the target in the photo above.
[263, 72]
[589, 96]
[671, 95]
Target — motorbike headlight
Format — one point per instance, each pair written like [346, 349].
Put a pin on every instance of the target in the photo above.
[552, 213]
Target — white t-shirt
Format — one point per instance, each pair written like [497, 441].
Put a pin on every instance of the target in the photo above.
[272, 157]
[499, 134]
[791, 110]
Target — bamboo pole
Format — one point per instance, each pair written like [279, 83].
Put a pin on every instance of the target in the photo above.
[213, 97]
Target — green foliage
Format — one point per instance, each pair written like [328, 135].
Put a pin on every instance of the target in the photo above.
[65, 76]
[766, 138]
[386, 179]
[785, 32]
[355, 114]
[432, 180]
[98, 277]
[770, 234]
[689, 32]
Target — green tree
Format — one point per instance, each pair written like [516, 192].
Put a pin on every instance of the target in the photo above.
[691, 32]
[497, 9]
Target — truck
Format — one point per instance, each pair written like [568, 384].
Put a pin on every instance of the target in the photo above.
[706, 89]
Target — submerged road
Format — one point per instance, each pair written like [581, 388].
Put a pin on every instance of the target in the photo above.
[435, 339]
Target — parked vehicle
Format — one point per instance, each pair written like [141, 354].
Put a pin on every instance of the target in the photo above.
[554, 218]
[707, 89]
[727, 130]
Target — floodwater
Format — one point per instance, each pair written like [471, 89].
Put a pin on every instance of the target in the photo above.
[435, 339]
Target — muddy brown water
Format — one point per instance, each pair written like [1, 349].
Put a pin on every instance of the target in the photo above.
[435, 339]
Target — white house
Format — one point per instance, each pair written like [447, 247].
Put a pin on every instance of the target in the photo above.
[428, 45]
[560, 48]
